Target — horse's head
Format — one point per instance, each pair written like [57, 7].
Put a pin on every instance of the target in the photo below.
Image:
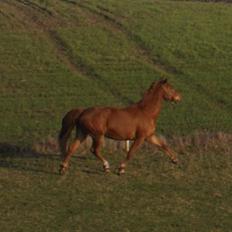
[164, 88]
[169, 93]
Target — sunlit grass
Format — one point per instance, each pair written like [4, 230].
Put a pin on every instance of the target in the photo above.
[58, 55]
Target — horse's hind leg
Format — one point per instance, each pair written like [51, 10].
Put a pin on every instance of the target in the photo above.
[63, 144]
[162, 145]
[71, 150]
[97, 144]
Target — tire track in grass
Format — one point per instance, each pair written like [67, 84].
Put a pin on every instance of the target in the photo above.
[77, 64]
[204, 91]
[36, 7]
[29, 15]
[144, 53]
[64, 52]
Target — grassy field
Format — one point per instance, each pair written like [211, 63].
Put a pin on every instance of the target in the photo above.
[58, 55]
[154, 195]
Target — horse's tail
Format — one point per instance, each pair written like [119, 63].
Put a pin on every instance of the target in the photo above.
[68, 123]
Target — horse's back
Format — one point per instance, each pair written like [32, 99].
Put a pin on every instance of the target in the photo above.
[105, 115]
[112, 122]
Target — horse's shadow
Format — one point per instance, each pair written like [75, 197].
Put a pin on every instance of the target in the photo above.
[21, 158]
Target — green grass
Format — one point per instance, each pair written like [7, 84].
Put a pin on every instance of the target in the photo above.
[58, 55]
[154, 195]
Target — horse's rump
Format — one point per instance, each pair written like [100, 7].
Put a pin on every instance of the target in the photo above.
[68, 123]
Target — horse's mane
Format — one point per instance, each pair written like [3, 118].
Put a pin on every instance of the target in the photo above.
[154, 87]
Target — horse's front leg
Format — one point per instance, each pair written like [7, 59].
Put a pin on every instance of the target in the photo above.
[134, 147]
[162, 145]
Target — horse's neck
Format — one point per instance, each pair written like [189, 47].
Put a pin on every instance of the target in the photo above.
[152, 105]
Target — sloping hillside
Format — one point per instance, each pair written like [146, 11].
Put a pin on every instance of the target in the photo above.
[56, 55]
[60, 54]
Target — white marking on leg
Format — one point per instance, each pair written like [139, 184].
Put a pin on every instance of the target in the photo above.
[122, 171]
[106, 164]
[127, 145]
[123, 166]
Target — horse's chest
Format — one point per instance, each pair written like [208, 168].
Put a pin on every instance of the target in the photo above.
[146, 128]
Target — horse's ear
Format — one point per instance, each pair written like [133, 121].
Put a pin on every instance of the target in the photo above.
[164, 81]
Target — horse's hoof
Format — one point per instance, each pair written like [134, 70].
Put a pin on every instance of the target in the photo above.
[175, 161]
[107, 170]
[62, 169]
[106, 167]
[121, 171]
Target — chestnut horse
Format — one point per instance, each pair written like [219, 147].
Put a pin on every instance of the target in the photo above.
[69, 121]
[136, 122]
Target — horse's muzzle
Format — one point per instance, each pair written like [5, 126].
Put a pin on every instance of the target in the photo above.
[177, 98]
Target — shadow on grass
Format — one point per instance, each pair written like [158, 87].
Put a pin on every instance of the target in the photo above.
[18, 158]
[25, 159]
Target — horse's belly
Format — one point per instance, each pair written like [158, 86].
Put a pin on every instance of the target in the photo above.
[120, 133]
